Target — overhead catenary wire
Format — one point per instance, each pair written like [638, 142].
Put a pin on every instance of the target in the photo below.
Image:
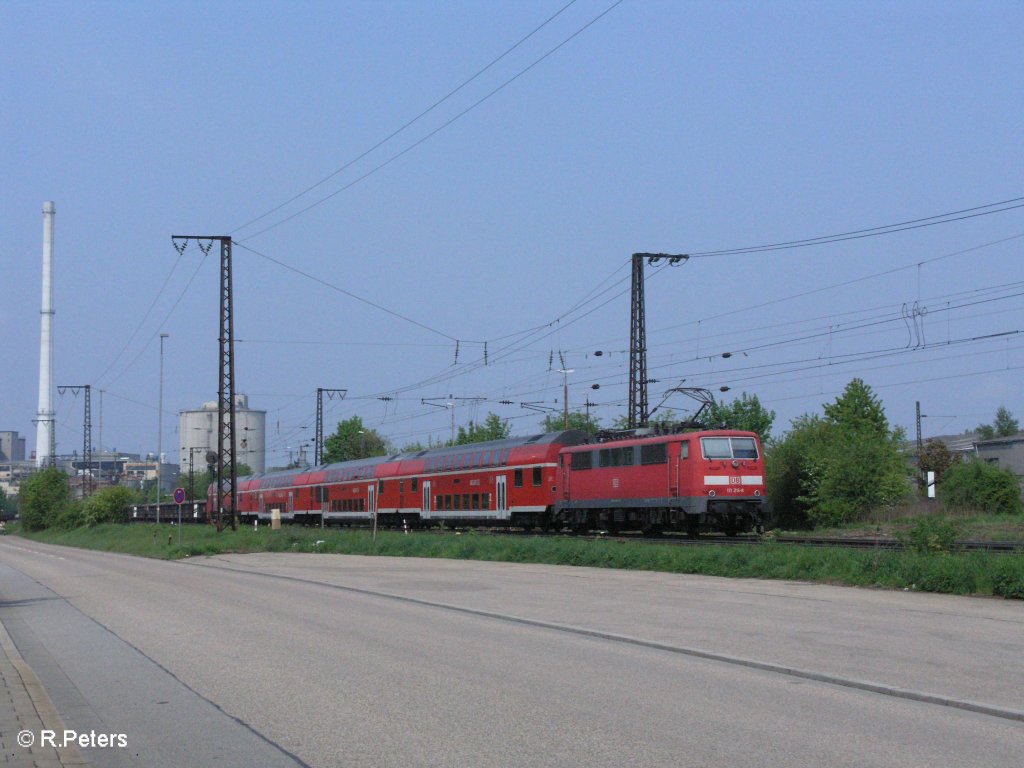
[384, 164]
[408, 123]
[886, 229]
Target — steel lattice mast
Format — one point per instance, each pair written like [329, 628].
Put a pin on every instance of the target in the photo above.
[227, 470]
[86, 434]
[318, 449]
[638, 407]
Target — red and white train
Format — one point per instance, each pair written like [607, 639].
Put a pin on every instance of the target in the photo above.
[710, 480]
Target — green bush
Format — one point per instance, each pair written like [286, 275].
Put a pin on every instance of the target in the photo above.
[1008, 578]
[43, 499]
[108, 505]
[976, 485]
[932, 535]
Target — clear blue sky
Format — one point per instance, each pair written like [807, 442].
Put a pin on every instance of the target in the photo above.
[663, 126]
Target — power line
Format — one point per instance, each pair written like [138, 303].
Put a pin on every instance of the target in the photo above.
[351, 295]
[409, 123]
[441, 127]
[887, 229]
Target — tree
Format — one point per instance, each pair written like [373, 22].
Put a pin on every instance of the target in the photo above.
[493, 428]
[1004, 425]
[858, 410]
[791, 470]
[352, 440]
[577, 420]
[836, 469]
[746, 413]
[43, 498]
[8, 505]
[935, 457]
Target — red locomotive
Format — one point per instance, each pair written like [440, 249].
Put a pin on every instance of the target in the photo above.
[695, 481]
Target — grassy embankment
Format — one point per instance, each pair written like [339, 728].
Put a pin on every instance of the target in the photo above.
[948, 572]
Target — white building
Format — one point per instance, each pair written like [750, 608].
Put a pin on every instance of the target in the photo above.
[198, 435]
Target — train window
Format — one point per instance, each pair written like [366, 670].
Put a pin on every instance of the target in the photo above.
[486, 501]
[439, 502]
[448, 501]
[518, 482]
[401, 486]
[476, 501]
[654, 454]
[465, 501]
[537, 475]
[684, 450]
[455, 498]
[583, 460]
[615, 457]
[504, 457]
[380, 486]
[744, 448]
[415, 484]
[716, 447]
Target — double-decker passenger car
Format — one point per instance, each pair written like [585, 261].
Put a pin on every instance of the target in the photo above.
[698, 481]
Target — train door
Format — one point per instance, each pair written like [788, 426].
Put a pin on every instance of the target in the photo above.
[501, 499]
[291, 503]
[565, 460]
[371, 500]
[425, 507]
[680, 468]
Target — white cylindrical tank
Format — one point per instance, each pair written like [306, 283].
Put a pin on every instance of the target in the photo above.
[198, 434]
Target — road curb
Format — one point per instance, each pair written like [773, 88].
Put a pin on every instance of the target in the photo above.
[45, 711]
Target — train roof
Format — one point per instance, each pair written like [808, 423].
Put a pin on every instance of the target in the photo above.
[566, 437]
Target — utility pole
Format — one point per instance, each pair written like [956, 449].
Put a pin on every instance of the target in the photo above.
[227, 470]
[450, 403]
[99, 442]
[638, 413]
[160, 431]
[920, 445]
[86, 434]
[318, 450]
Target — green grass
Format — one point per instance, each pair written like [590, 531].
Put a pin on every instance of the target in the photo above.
[975, 573]
[893, 523]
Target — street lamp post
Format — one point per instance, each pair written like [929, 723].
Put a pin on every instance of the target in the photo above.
[160, 427]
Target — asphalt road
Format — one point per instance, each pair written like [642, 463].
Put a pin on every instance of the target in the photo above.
[266, 660]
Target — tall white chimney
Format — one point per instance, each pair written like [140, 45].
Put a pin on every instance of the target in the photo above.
[45, 414]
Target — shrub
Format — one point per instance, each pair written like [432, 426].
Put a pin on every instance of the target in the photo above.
[932, 535]
[976, 485]
[43, 498]
[1008, 578]
[108, 505]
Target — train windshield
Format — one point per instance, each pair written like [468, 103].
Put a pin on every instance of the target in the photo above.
[729, 447]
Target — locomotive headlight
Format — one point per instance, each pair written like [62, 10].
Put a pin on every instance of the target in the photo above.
[757, 493]
[711, 493]
[735, 464]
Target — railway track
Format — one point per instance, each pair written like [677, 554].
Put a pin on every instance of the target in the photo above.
[998, 547]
